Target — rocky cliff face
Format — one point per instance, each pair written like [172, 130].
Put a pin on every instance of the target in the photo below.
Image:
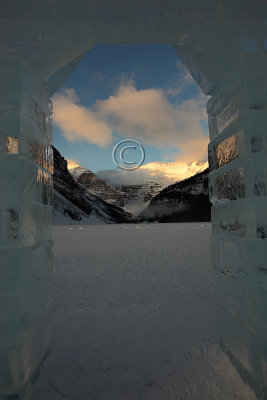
[72, 199]
[185, 201]
[140, 191]
[101, 189]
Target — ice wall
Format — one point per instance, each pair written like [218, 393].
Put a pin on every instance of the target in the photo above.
[238, 191]
[25, 222]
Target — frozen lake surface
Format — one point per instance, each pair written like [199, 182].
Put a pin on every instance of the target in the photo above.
[135, 317]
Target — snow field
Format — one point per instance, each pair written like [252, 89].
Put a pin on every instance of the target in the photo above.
[135, 317]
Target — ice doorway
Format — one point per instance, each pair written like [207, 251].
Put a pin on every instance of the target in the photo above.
[229, 65]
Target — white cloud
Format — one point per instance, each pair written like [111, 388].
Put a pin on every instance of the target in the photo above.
[144, 115]
[78, 123]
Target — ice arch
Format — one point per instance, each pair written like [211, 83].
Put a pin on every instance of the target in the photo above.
[223, 44]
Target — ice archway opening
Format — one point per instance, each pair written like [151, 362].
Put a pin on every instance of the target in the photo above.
[223, 45]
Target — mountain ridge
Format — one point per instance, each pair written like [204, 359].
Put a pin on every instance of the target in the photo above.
[184, 201]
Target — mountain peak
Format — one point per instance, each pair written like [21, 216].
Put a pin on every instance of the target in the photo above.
[72, 164]
[75, 168]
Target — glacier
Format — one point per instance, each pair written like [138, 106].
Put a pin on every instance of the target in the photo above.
[223, 44]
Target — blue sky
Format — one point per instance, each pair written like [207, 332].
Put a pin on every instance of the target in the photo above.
[141, 92]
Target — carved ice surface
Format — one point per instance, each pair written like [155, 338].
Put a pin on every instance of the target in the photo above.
[223, 45]
[239, 252]
[25, 219]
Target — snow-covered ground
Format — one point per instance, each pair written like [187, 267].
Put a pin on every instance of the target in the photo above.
[134, 317]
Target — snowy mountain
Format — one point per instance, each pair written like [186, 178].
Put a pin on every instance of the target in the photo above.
[131, 197]
[142, 185]
[185, 201]
[73, 201]
[133, 190]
